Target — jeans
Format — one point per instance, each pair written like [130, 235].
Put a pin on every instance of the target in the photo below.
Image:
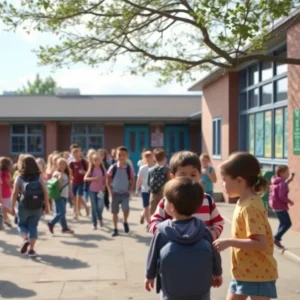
[60, 213]
[1, 217]
[284, 224]
[97, 207]
[28, 221]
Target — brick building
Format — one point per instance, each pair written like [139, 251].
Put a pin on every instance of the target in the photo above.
[256, 109]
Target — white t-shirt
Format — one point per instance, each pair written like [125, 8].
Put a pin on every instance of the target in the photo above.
[65, 191]
[143, 173]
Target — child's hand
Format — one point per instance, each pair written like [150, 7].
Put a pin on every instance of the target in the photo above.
[217, 281]
[149, 284]
[214, 235]
[291, 203]
[13, 211]
[221, 244]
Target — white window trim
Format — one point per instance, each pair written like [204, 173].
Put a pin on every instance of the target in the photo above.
[215, 140]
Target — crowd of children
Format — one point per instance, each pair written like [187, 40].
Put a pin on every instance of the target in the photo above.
[178, 206]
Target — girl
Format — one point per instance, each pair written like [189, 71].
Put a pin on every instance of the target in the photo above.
[103, 155]
[142, 182]
[96, 175]
[113, 155]
[63, 175]
[7, 184]
[28, 219]
[42, 166]
[89, 156]
[254, 268]
[208, 176]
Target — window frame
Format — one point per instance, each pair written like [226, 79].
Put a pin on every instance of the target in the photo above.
[217, 140]
[26, 135]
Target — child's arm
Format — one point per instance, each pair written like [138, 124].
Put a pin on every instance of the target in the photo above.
[158, 216]
[89, 178]
[216, 222]
[138, 183]
[212, 175]
[109, 180]
[132, 181]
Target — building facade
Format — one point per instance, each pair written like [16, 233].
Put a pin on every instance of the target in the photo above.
[257, 109]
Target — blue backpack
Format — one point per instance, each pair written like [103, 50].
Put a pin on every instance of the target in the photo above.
[185, 268]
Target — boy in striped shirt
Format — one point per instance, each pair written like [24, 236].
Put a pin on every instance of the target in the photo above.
[186, 163]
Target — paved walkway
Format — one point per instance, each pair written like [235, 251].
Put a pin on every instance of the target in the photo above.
[93, 266]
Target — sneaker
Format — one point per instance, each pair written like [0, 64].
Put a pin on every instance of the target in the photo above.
[8, 224]
[101, 223]
[142, 219]
[50, 227]
[126, 227]
[67, 230]
[94, 227]
[115, 232]
[24, 246]
[32, 253]
[278, 244]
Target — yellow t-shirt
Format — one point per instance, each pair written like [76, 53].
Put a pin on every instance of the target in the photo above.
[16, 174]
[250, 218]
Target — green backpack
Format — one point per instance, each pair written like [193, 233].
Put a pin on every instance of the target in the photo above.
[53, 188]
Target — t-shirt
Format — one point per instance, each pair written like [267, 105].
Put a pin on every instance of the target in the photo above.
[208, 185]
[76, 166]
[6, 190]
[16, 174]
[99, 184]
[65, 179]
[143, 173]
[250, 218]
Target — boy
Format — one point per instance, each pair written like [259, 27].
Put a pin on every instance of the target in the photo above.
[181, 250]
[120, 182]
[78, 167]
[186, 163]
[157, 178]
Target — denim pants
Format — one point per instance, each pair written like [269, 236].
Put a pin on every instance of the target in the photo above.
[97, 207]
[284, 224]
[1, 217]
[28, 221]
[60, 212]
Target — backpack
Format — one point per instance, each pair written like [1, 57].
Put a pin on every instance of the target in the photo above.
[32, 193]
[54, 191]
[115, 168]
[185, 268]
[158, 178]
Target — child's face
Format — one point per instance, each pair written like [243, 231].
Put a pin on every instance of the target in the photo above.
[76, 152]
[150, 160]
[285, 175]
[66, 155]
[189, 171]
[122, 156]
[231, 186]
[169, 208]
[61, 165]
[205, 162]
[97, 160]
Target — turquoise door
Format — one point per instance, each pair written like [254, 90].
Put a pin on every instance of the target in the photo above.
[136, 139]
[176, 139]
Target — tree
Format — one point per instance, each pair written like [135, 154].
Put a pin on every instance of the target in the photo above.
[171, 37]
[39, 86]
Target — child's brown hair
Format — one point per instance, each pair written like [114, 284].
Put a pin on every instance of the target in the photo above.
[29, 167]
[184, 158]
[246, 166]
[122, 148]
[185, 194]
[205, 156]
[281, 169]
[159, 154]
[5, 164]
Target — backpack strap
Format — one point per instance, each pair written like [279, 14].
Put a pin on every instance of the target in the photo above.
[210, 203]
[114, 170]
[71, 165]
[83, 164]
[128, 170]
[102, 169]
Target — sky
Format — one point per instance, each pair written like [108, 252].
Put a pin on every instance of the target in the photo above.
[18, 64]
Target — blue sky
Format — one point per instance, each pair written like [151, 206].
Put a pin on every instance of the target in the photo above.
[19, 64]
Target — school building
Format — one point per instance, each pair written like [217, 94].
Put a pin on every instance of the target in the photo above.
[41, 124]
[257, 109]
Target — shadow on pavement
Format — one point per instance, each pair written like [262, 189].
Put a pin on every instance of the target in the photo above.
[61, 262]
[9, 290]
[11, 249]
[80, 244]
[90, 237]
[139, 238]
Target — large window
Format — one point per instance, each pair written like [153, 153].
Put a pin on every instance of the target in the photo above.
[217, 137]
[88, 136]
[263, 109]
[26, 138]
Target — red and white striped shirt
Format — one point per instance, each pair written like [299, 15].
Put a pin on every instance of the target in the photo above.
[209, 215]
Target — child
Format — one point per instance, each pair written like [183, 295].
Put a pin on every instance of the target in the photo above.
[181, 249]
[7, 184]
[120, 182]
[208, 176]
[78, 167]
[33, 195]
[279, 202]
[254, 268]
[186, 163]
[62, 173]
[89, 155]
[142, 182]
[96, 176]
[157, 178]
[42, 166]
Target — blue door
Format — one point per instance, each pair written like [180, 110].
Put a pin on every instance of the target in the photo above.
[136, 139]
[176, 139]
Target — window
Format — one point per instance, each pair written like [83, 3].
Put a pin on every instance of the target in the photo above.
[253, 98]
[217, 137]
[253, 75]
[243, 101]
[281, 68]
[26, 138]
[281, 89]
[266, 71]
[88, 136]
[267, 94]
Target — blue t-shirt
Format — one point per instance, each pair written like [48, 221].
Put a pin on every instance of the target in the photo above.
[208, 185]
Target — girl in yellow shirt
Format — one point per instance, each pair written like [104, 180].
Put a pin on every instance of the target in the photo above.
[253, 267]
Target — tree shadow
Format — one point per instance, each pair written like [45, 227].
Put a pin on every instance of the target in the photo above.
[80, 244]
[9, 290]
[61, 262]
[139, 238]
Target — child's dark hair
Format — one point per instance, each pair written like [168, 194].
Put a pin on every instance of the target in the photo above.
[185, 194]
[5, 164]
[159, 154]
[29, 167]
[281, 169]
[74, 146]
[246, 166]
[184, 158]
[122, 148]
